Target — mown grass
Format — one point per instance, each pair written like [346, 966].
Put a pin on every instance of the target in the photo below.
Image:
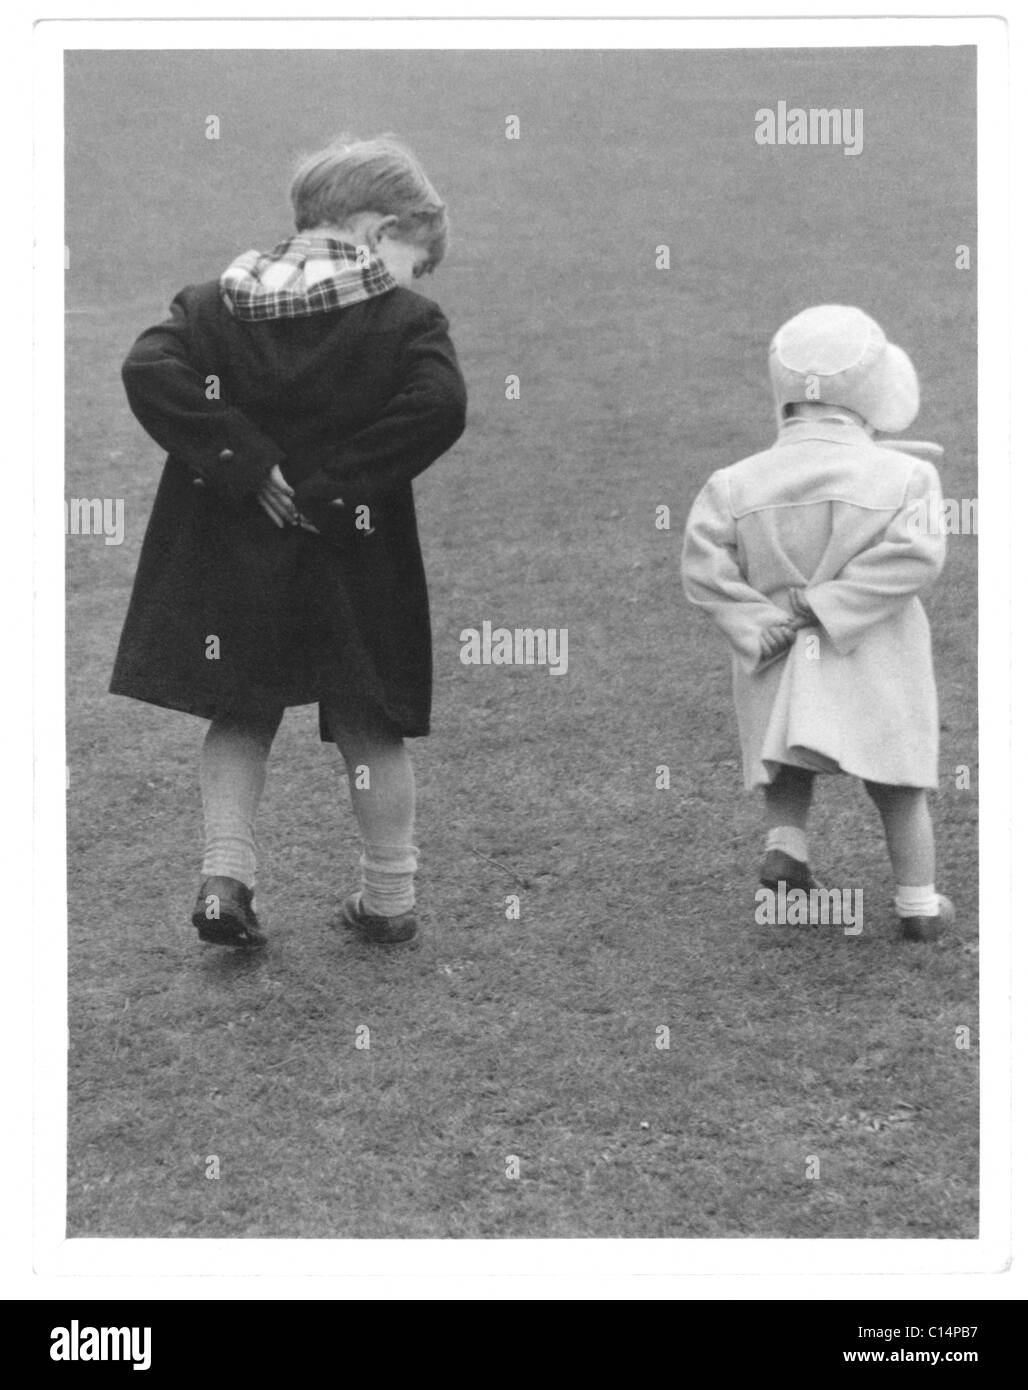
[533, 1038]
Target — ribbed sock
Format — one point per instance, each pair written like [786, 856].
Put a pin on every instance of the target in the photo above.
[232, 771]
[917, 902]
[387, 878]
[790, 840]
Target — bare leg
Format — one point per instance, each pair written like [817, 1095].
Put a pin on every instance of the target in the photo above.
[908, 832]
[787, 799]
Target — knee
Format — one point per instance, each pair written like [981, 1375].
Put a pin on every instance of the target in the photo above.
[892, 798]
[361, 730]
[257, 728]
[366, 742]
[883, 796]
[797, 780]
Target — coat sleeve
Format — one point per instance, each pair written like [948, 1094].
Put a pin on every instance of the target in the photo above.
[906, 559]
[420, 422]
[713, 580]
[167, 392]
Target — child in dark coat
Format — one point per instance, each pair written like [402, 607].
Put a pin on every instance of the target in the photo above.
[297, 398]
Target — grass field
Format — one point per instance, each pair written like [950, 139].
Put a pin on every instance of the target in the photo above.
[533, 1038]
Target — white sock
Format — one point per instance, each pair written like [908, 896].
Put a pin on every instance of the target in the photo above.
[232, 769]
[790, 840]
[917, 902]
[387, 879]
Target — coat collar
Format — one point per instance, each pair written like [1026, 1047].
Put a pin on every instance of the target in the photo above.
[305, 275]
[836, 431]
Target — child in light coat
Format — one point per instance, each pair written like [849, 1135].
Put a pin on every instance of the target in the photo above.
[810, 557]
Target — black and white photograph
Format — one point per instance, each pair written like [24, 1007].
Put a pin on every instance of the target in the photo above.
[521, 638]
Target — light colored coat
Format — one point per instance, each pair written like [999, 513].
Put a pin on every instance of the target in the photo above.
[850, 523]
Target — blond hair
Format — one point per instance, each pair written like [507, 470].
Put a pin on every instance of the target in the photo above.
[381, 175]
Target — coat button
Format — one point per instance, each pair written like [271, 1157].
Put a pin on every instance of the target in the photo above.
[226, 455]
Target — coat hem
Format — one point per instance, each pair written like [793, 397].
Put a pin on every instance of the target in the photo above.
[839, 770]
[203, 709]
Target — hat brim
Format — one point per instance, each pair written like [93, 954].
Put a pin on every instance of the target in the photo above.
[893, 397]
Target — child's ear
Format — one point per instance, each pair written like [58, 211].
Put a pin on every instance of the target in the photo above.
[385, 226]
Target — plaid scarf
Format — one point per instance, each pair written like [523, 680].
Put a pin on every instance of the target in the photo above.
[304, 275]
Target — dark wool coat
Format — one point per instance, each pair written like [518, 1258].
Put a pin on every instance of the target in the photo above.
[231, 614]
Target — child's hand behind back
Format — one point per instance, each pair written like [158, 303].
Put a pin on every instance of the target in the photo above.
[275, 496]
[805, 615]
[776, 639]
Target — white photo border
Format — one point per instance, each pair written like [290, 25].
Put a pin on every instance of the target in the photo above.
[123, 1263]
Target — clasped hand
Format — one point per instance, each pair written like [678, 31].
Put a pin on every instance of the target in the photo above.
[276, 497]
[778, 637]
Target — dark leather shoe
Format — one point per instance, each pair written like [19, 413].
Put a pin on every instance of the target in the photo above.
[928, 928]
[778, 867]
[224, 914]
[380, 931]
